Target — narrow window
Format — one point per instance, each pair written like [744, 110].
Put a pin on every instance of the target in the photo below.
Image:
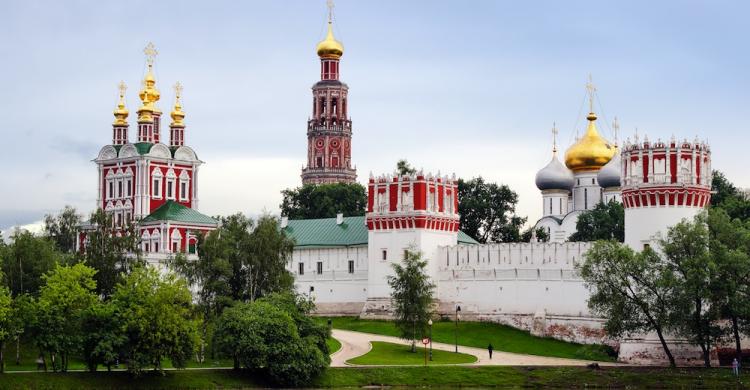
[174, 247]
[406, 253]
[646, 246]
[351, 266]
[129, 188]
[169, 189]
[146, 248]
[550, 205]
[119, 188]
[585, 198]
[157, 188]
[183, 191]
[156, 247]
[111, 190]
[301, 268]
[319, 267]
[319, 162]
[561, 206]
[385, 255]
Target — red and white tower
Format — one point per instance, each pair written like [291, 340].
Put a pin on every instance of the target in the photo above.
[410, 212]
[329, 130]
[662, 184]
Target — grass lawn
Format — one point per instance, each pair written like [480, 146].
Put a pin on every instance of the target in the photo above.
[333, 345]
[480, 334]
[397, 354]
[451, 376]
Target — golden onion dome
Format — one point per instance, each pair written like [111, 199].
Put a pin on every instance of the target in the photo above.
[121, 113]
[591, 152]
[177, 114]
[149, 96]
[330, 48]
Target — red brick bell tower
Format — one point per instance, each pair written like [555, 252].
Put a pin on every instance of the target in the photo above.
[329, 130]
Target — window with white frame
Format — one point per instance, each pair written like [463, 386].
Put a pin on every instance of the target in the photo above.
[351, 266]
[176, 239]
[156, 183]
[111, 192]
[319, 267]
[171, 183]
[301, 268]
[184, 186]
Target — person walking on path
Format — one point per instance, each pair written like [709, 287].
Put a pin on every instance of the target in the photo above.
[735, 367]
[489, 349]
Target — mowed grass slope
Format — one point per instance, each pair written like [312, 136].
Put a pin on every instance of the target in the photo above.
[453, 376]
[398, 354]
[480, 334]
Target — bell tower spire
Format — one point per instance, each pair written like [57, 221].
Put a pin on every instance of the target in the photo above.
[177, 127]
[148, 114]
[120, 125]
[329, 130]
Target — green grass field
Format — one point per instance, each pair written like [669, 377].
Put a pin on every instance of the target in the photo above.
[480, 334]
[397, 354]
[438, 376]
[333, 345]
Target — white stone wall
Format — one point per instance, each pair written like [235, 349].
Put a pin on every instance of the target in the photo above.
[645, 224]
[335, 289]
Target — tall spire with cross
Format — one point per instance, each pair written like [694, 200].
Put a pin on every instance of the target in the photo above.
[616, 131]
[177, 127]
[329, 129]
[148, 113]
[120, 125]
[554, 138]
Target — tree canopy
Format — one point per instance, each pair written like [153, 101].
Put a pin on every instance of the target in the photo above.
[728, 197]
[26, 260]
[324, 201]
[606, 221]
[488, 211]
[264, 336]
[112, 251]
[63, 229]
[411, 296]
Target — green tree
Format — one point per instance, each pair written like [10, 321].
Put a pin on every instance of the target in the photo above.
[63, 229]
[541, 235]
[728, 197]
[264, 337]
[693, 274]
[631, 290]
[6, 322]
[155, 315]
[112, 251]
[270, 251]
[324, 201]
[606, 221]
[411, 296]
[67, 293]
[27, 259]
[488, 211]
[103, 335]
[729, 246]
[404, 168]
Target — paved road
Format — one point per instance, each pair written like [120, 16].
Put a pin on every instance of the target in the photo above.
[355, 344]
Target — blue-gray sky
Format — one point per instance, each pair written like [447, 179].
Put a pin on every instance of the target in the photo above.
[470, 87]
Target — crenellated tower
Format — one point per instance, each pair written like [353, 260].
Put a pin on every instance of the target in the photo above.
[662, 184]
[406, 212]
[329, 129]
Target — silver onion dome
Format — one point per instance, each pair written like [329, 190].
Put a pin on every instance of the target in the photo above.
[609, 175]
[555, 176]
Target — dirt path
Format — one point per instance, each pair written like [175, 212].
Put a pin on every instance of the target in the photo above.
[355, 344]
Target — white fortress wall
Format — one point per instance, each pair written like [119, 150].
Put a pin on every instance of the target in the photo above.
[335, 289]
[532, 286]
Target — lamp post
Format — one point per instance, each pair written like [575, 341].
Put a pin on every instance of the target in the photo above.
[458, 310]
[429, 322]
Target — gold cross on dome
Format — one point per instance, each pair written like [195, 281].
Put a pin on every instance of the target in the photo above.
[178, 90]
[151, 53]
[591, 88]
[122, 87]
[330, 5]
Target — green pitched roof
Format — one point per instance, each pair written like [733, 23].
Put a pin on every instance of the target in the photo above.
[173, 211]
[325, 232]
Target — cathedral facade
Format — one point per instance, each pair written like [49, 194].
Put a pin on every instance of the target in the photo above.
[152, 182]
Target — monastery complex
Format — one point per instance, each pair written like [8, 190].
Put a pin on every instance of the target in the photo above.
[343, 262]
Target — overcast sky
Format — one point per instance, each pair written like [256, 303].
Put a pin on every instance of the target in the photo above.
[470, 87]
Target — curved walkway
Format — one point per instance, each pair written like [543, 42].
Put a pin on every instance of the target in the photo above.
[355, 344]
